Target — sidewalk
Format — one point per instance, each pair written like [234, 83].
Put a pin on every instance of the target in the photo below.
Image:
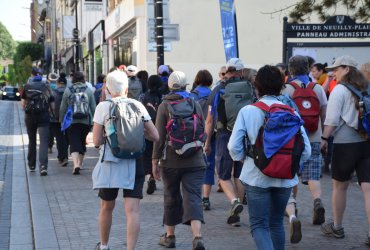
[62, 212]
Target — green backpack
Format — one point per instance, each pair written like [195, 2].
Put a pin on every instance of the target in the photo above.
[236, 96]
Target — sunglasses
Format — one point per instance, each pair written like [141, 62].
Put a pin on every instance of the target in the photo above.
[222, 73]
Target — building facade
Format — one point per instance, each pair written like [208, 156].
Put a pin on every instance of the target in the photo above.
[115, 32]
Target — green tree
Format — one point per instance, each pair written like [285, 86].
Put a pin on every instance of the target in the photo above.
[12, 77]
[302, 10]
[34, 50]
[7, 44]
[358, 9]
[23, 70]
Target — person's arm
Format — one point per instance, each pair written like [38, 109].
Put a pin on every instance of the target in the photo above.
[98, 138]
[209, 131]
[150, 131]
[63, 105]
[236, 143]
[328, 131]
[24, 98]
[158, 146]
[92, 103]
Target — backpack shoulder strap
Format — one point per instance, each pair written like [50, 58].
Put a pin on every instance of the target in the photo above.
[261, 105]
[295, 85]
[353, 90]
[311, 85]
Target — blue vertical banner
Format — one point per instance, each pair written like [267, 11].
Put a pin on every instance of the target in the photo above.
[229, 33]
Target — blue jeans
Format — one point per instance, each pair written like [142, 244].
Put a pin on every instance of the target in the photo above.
[266, 213]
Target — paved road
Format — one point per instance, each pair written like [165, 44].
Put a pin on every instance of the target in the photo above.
[63, 211]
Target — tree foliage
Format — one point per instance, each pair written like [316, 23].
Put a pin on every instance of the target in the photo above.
[23, 70]
[7, 44]
[358, 9]
[24, 49]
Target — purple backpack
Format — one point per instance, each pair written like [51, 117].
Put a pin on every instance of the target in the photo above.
[185, 129]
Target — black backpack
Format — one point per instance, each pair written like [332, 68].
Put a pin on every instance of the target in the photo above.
[151, 102]
[37, 99]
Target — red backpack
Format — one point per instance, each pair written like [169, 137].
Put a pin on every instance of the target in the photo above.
[279, 144]
[308, 105]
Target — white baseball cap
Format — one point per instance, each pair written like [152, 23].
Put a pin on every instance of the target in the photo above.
[343, 61]
[177, 80]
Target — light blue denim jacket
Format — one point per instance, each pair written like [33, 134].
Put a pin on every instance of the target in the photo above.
[249, 120]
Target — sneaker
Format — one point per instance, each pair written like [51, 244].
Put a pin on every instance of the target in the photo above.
[235, 210]
[329, 230]
[99, 248]
[167, 241]
[64, 162]
[206, 204]
[235, 221]
[43, 171]
[245, 202]
[76, 171]
[367, 242]
[318, 212]
[151, 186]
[31, 168]
[295, 231]
[198, 243]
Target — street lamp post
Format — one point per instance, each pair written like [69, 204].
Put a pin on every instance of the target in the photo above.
[158, 14]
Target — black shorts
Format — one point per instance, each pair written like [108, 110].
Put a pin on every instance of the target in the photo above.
[350, 157]
[110, 194]
[77, 134]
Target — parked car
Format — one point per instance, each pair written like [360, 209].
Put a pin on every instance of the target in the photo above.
[11, 93]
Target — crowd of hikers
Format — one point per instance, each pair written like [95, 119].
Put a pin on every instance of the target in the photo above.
[257, 131]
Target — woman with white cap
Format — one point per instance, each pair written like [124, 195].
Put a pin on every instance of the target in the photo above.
[351, 151]
[178, 170]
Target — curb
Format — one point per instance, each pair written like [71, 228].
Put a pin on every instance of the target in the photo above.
[43, 231]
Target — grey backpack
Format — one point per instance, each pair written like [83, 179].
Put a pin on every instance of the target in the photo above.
[236, 96]
[135, 88]
[125, 129]
[79, 102]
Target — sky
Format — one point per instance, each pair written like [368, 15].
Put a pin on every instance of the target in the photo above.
[15, 16]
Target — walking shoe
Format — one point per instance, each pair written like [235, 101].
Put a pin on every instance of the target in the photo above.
[295, 231]
[151, 186]
[318, 212]
[245, 202]
[167, 241]
[64, 162]
[198, 243]
[329, 230]
[99, 248]
[76, 171]
[235, 210]
[235, 221]
[367, 242]
[43, 171]
[31, 168]
[206, 204]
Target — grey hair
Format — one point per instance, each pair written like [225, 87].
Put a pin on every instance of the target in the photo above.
[298, 65]
[117, 83]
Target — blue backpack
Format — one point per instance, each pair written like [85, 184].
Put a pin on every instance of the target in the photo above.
[364, 112]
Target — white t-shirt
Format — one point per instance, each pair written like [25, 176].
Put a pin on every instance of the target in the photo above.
[114, 172]
[342, 113]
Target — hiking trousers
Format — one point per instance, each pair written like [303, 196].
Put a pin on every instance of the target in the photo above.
[62, 141]
[43, 129]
